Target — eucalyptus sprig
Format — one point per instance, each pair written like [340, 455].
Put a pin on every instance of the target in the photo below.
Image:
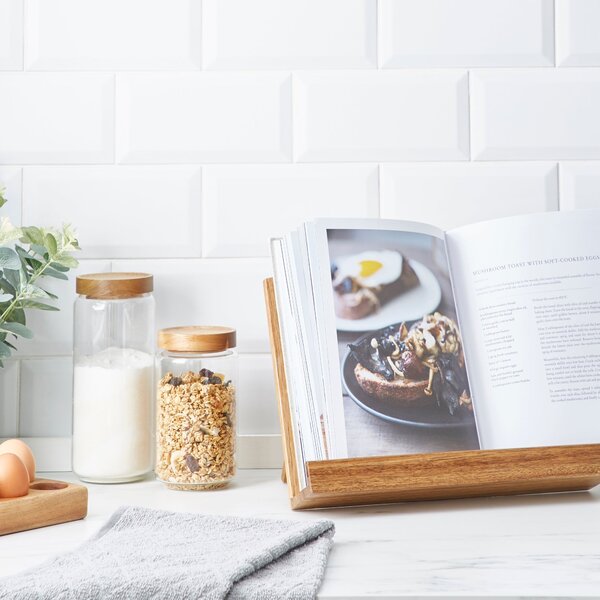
[27, 255]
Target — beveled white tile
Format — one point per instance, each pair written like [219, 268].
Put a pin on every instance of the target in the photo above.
[204, 117]
[289, 34]
[9, 399]
[10, 180]
[535, 114]
[449, 195]
[46, 397]
[120, 211]
[56, 118]
[111, 34]
[579, 185]
[256, 403]
[381, 116]
[466, 33]
[210, 292]
[53, 330]
[245, 205]
[577, 39]
[11, 35]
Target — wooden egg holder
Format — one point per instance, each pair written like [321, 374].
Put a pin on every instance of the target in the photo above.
[48, 502]
[435, 476]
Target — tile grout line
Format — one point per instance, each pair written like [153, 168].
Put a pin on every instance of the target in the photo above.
[114, 123]
[22, 199]
[18, 399]
[377, 36]
[23, 31]
[379, 190]
[292, 119]
[555, 64]
[469, 119]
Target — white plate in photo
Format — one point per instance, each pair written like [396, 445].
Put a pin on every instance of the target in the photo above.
[407, 306]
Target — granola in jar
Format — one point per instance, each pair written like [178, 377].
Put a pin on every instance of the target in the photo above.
[195, 412]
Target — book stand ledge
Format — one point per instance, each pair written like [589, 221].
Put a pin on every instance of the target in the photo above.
[436, 476]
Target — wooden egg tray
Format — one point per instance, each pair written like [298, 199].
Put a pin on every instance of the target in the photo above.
[48, 502]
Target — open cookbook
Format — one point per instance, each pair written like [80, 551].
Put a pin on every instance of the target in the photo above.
[400, 338]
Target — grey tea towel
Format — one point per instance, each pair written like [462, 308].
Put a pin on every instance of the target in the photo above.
[142, 553]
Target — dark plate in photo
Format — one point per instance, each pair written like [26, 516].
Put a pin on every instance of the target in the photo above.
[428, 415]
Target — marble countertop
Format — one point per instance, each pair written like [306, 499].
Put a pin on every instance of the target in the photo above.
[538, 546]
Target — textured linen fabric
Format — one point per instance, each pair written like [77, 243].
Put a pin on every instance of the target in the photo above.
[143, 553]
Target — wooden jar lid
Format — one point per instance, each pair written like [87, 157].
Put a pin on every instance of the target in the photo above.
[110, 286]
[199, 338]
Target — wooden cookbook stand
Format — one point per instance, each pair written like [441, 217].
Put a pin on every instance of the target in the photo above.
[436, 476]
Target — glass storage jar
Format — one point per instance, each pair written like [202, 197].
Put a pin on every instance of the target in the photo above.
[195, 431]
[113, 381]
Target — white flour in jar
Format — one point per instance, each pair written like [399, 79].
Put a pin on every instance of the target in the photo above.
[112, 415]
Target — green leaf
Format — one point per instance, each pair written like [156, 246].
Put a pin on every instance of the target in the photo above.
[14, 278]
[2, 198]
[51, 244]
[66, 260]
[40, 250]
[33, 235]
[29, 260]
[57, 267]
[9, 259]
[4, 350]
[18, 316]
[50, 272]
[38, 305]
[33, 291]
[6, 286]
[17, 329]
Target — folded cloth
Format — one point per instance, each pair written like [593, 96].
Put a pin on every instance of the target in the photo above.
[142, 553]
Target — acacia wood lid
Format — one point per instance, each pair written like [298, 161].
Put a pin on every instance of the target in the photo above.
[198, 338]
[110, 286]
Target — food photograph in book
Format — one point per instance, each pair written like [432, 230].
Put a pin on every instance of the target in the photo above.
[404, 378]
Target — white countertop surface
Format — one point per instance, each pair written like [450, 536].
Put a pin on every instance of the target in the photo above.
[521, 546]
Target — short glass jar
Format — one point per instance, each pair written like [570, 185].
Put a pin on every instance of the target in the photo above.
[113, 379]
[195, 408]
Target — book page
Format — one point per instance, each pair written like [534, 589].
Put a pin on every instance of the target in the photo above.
[528, 292]
[290, 341]
[369, 278]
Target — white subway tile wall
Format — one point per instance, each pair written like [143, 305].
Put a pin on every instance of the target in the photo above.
[289, 34]
[449, 195]
[44, 385]
[535, 114]
[56, 118]
[196, 117]
[11, 180]
[112, 34]
[119, 196]
[9, 399]
[577, 39]
[579, 185]
[381, 115]
[281, 197]
[466, 33]
[11, 35]
[180, 135]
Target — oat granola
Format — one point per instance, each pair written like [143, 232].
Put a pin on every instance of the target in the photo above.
[195, 430]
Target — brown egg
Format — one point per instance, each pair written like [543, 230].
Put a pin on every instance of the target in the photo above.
[14, 478]
[23, 451]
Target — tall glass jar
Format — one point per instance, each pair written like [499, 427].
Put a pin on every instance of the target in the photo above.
[196, 407]
[113, 377]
